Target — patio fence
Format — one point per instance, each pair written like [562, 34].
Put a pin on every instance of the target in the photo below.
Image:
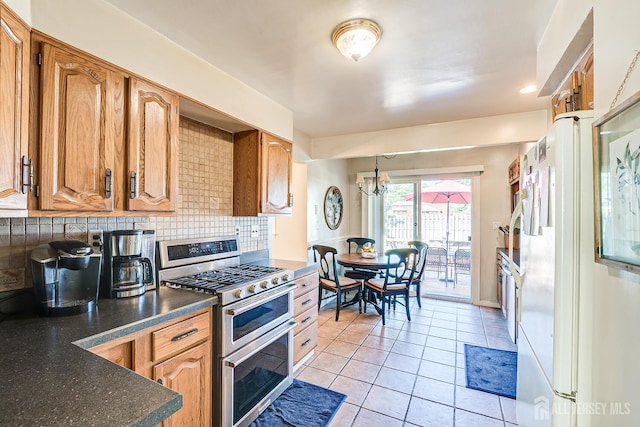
[399, 228]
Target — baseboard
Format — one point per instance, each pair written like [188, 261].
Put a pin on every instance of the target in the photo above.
[491, 304]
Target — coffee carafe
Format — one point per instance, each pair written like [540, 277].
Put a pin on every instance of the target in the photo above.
[126, 271]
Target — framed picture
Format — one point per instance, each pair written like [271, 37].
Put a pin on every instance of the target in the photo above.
[616, 150]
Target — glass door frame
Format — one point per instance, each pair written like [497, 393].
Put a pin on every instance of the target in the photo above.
[376, 226]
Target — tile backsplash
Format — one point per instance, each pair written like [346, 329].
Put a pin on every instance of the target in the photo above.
[205, 208]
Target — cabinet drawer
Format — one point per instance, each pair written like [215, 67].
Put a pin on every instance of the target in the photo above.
[305, 319]
[175, 338]
[306, 284]
[305, 302]
[304, 342]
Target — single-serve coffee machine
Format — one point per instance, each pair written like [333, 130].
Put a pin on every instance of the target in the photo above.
[66, 274]
[127, 272]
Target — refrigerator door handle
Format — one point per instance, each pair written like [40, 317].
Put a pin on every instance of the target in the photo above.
[512, 224]
[517, 274]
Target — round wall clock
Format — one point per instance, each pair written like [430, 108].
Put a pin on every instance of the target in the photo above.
[333, 207]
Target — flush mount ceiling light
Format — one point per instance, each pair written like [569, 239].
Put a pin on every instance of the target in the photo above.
[529, 89]
[356, 38]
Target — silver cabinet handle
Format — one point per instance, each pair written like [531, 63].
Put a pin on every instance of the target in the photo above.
[186, 334]
[134, 185]
[108, 183]
[27, 174]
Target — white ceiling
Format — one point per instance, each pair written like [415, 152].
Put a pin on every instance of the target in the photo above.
[437, 60]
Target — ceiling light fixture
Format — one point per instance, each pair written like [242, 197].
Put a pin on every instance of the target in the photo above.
[356, 38]
[380, 180]
[529, 89]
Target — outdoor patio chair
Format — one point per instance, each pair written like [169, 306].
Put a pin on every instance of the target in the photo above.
[330, 281]
[436, 259]
[355, 245]
[461, 264]
[396, 281]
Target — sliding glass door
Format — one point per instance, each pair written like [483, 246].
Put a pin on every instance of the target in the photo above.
[437, 212]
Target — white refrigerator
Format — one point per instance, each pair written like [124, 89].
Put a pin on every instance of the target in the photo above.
[557, 180]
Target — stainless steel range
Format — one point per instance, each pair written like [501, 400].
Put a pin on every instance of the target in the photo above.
[253, 363]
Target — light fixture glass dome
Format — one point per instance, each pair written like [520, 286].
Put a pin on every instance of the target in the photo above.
[356, 38]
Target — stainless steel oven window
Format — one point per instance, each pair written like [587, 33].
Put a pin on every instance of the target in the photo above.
[251, 320]
[261, 317]
[256, 375]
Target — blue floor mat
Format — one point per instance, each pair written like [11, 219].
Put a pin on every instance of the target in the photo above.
[301, 405]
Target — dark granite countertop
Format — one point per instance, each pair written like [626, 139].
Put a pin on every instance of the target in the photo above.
[49, 379]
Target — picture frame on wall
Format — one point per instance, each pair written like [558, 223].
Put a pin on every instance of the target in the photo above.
[616, 151]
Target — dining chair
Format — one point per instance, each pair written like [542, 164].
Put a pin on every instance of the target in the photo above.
[356, 245]
[461, 264]
[330, 281]
[399, 274]
[421, 262]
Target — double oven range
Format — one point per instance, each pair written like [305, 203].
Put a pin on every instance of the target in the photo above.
[253, 322]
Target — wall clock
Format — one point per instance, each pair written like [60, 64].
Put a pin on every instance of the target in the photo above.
[333, 207]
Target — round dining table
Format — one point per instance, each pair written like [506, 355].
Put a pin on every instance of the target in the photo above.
[377, 264]
[355, 260]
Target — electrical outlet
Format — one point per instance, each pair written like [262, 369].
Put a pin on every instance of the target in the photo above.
[95, 239]
[255, 231]
[496, 225]
[237, 230]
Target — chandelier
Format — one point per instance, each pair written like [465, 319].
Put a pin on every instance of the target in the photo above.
[356, 38]
[380, 181]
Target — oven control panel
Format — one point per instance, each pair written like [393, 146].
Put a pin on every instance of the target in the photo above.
[246, 290]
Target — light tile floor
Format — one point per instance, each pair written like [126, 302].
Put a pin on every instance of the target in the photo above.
[408, 373]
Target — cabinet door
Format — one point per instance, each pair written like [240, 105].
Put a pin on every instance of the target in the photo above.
[14, 108]
[153, 148]
[81, 103]
[189, 373]
[277, 165]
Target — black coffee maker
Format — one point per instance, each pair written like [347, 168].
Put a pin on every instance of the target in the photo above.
[65, 275]
[126, 272]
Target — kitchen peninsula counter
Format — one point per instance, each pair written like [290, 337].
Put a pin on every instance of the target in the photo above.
[49, 378]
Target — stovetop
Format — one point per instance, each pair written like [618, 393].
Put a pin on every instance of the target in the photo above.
[212, 265]
[233, 283]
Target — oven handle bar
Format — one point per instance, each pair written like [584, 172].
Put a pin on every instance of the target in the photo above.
[250, 349]
[242, 306]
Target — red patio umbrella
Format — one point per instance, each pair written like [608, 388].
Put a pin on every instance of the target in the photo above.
[448, 192]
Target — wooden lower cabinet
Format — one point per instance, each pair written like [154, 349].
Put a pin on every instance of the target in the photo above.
[120, 353]
[305, 337]
[189, 373]
[178, 355]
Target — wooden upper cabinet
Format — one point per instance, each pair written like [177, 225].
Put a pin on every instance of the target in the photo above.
[14, 110]
[81, 117]
[152, 148]
[262, 167]
[576, 91]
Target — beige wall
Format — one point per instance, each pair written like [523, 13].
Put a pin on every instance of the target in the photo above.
[289, 238]
[321, 175]
[614, 306]
[120, 39]
[484, 131]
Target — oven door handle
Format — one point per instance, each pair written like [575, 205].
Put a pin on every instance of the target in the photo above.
[250, 349]
[243, 306]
